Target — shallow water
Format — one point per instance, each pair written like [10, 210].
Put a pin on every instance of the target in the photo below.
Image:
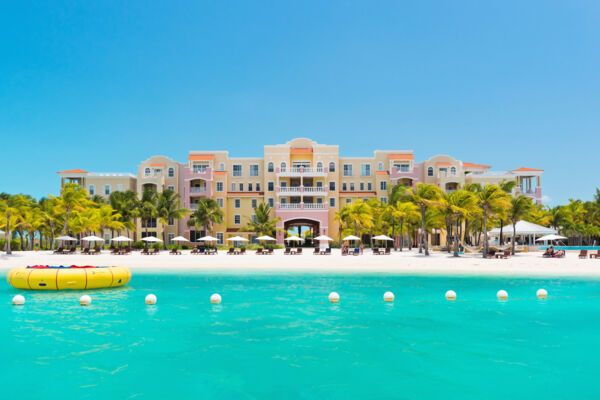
[275, 336]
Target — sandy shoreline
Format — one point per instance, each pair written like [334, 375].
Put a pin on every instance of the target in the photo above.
[521, 265]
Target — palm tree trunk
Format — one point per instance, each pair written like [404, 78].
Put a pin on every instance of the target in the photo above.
[500, 238]
[394, 234]
[401, 234]
[164, 234]
[456, 237]
[423, 233]
[513, 236]
[7, 236]
[64, 229]
[485, 238]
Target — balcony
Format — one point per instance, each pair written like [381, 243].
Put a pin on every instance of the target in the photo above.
[396, 174]
[206, 175]
[534, 193]
[302, 206]
[301, 191]
[198, 191]
[301, 171]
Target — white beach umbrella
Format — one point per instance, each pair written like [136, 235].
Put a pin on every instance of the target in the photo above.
[382, 237]
[237, 239]
[66, 238]
[92, 239]
[179, 239]
[323, 237]
[2, 232]
[550, 237]
[121, 239]
[207, 239]
[351, 237]
[265, 237]
[151, 239]
[294, 239]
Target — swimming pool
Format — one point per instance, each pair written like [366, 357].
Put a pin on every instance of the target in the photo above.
[275, 336]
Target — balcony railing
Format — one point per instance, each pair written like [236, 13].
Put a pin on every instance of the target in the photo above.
[302, 190]
[302, 206]
[197, 190]
[301, 171]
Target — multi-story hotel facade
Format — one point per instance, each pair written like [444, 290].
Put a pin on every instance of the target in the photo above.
[304, 182]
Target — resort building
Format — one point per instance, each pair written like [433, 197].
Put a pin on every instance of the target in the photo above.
[303, 181]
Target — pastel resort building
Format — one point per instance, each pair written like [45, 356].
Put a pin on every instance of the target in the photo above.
[304, 182]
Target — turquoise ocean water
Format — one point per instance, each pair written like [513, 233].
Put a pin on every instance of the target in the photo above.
[275, 336]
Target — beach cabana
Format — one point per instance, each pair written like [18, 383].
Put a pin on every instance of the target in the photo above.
[550, 238]
[527, 231]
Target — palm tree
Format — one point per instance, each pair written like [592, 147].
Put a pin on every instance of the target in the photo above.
[341, 216]
[520, 207]
[126, 204]
[262, 224]
[460, 204]
[72, 198]
[508, 187]
[148, 207]
[403, 211]
[425, 196]
[10, 220]
[491, 200]
[168, 208]
[360, 216]
[206, 214]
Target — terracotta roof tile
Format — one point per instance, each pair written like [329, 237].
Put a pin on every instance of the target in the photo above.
[72, 171]
[472, 165]
[524, 169]
[301, 150]
[201, 157]
[401, 157]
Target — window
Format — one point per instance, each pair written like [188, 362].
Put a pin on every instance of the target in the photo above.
[319, 166]
[219, 237]
[271, 202]
[362, 186]
[253, 218]
[253, 238]
[453, 171]
[241, 186]
[106, 239]
[233, 186]
[347, 169]
[283, 184]
[365, 170]
[254, 203]
[221, 167]
[283, 200]
[344, 187]
[384, 199]
[430, 171]
[171, 222]
[237, 203]
[369, 186]
[92, 190]
[171, 188]
[220, 202]
[199, 168]
[380, 166]
[106, 189]
[249, 187]
[404, 167]
[332, 186]
[148, 223]
[171, 172]
[283, 166]
[147, 172]
[352, 186]
[170, 237]
[383, 185]
[348, 201]
[270, 186]
[320, 184]
[157, 171]
[332, 167]
[332, 202]
[443, 171]
[120, 187]
[257, 187]
[237, 219]
[270, 167]
[219, 186]
[254, 170]
[319, 200]
[237, 170]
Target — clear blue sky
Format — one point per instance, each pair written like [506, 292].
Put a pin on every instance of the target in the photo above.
[104, 85]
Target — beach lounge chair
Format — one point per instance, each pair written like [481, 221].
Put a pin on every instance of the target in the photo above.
[59, 250]
[490, 254]
[376, 251]
[143, 252]
[327, 251]
[388, 251]
[243, 252]
[504, 254]
[316, 252]
[596, 256]
[231, 251]
[299, 251]
[270, 252]
[195, 250]
[287, 251]
[356, 252]
[175, 252]
[259, 251]
[583, 254]
[156, 251]
[85, 251]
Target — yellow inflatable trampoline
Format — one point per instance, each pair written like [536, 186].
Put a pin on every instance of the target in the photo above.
[45, 277]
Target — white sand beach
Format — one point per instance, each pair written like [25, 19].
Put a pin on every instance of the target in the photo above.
[405, 262]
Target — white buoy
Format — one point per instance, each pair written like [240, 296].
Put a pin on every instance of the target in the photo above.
[541, 293]
[388, 296]
[151, 299]
[18, 300]
[334, 297]
[215, 298]
[502, 295]
[450, 295]
[85, 300]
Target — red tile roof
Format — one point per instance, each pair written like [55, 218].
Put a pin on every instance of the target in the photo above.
[301, 151]
[382, 172]
[472, 165]
[157, 165]
[523, 169]
[401, 157]
[72, 171]
[201, 157]
[444, 164]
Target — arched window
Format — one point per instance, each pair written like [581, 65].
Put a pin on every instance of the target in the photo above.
[147, 172]
[319, 166]
[283, 165]
[453, 171]
[270, 167]
[430, 171]
[222, 167]
[332, 167]
[171, 172]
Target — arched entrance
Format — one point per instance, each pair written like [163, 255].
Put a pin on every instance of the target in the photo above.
[300, 227]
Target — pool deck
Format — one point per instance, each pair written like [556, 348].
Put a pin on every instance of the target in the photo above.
[406, 262]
